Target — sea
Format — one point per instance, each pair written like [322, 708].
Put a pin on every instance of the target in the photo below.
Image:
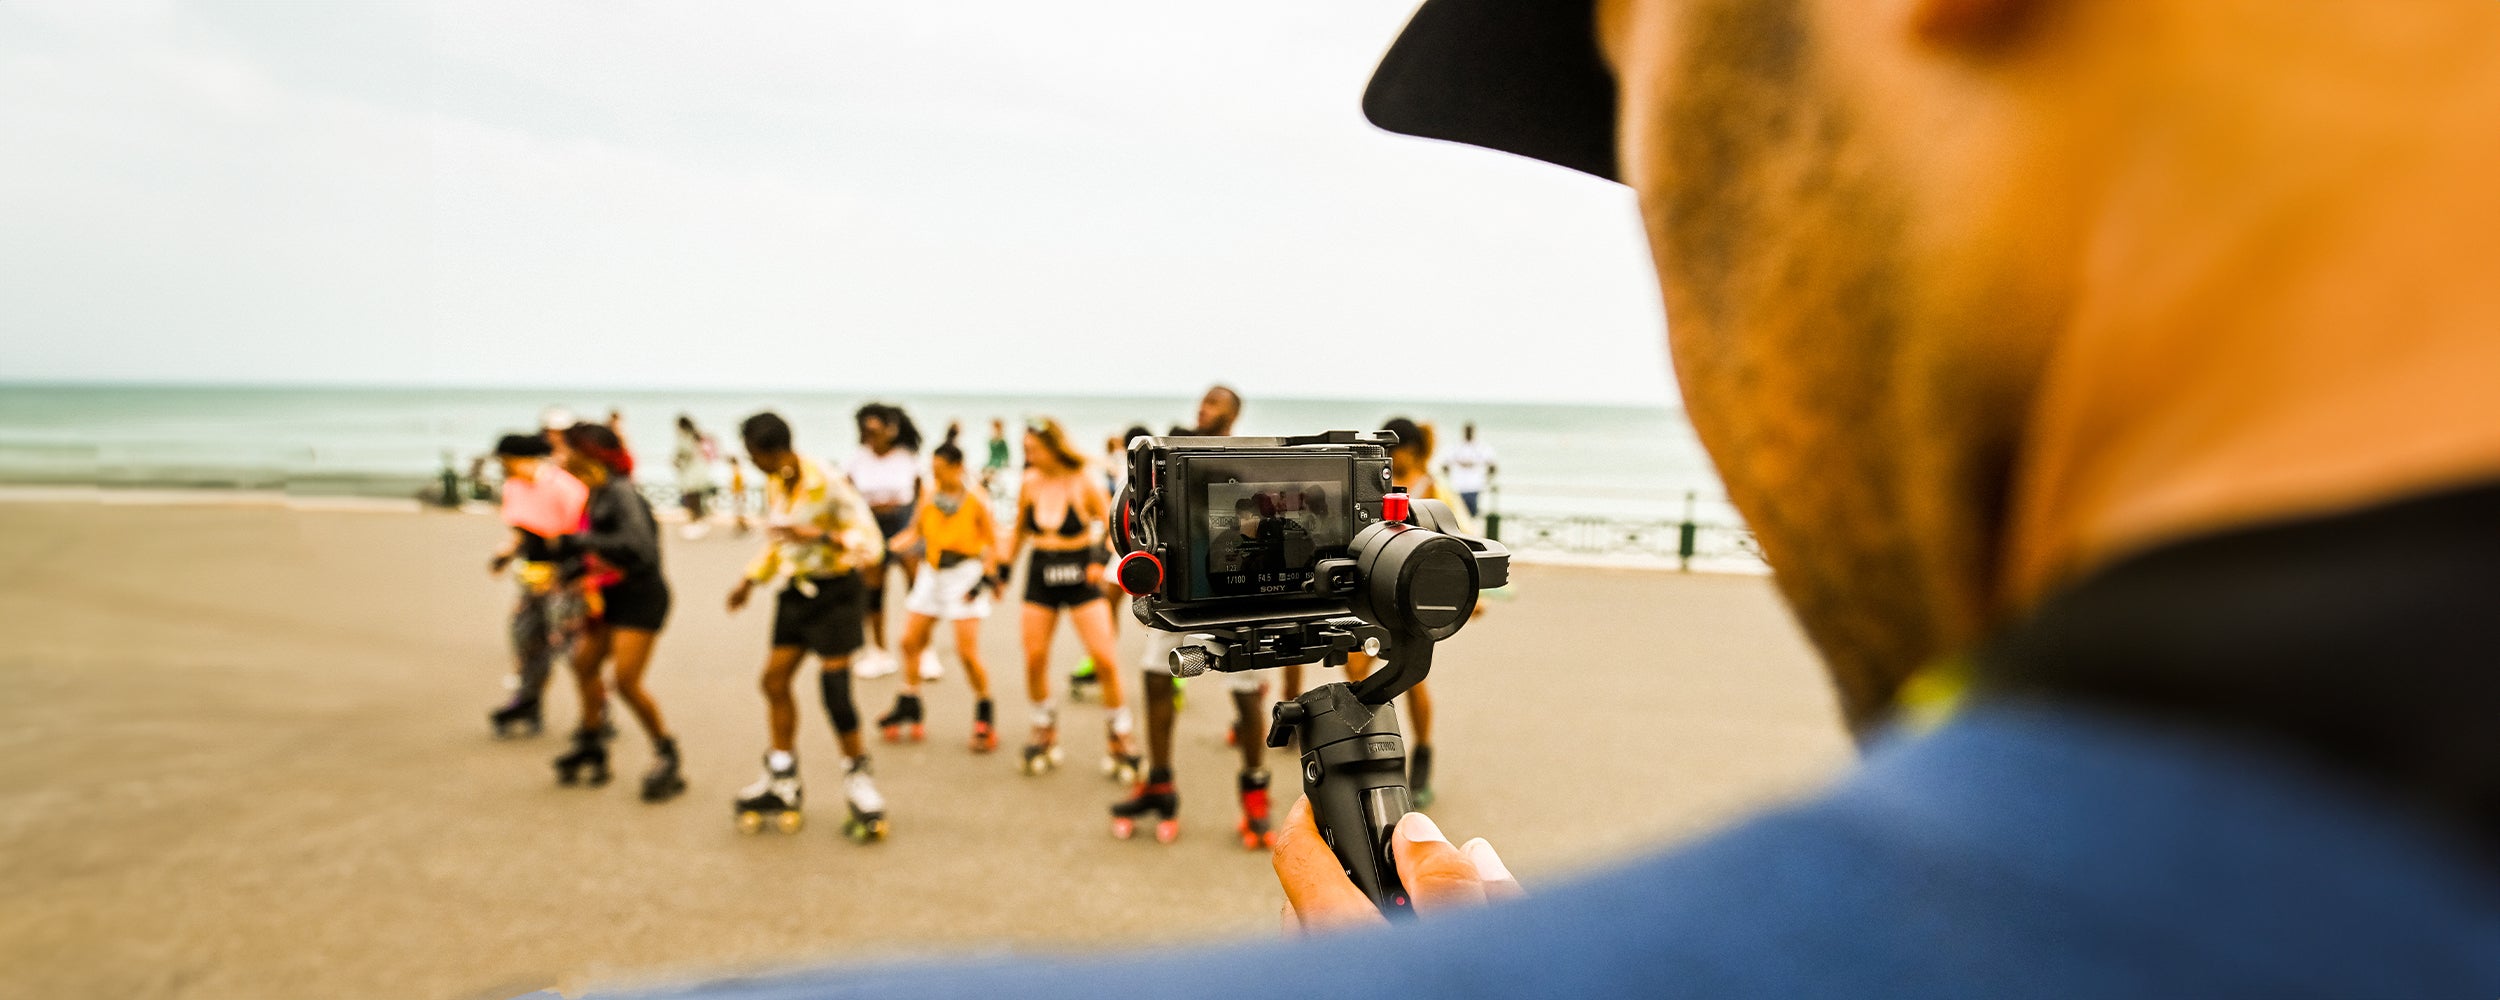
[1574, 461]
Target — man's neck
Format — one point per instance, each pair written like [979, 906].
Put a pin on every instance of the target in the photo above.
[2257, 340]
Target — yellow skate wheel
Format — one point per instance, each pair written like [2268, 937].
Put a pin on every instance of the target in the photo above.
[789, 821]
[750, 821]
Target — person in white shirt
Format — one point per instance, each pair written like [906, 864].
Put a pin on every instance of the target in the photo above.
[1468, 467]
[886, 471]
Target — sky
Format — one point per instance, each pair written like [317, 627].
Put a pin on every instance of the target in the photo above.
[962, 195]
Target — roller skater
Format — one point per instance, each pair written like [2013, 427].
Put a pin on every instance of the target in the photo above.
[1255, 834]
[822, 539]
[1063, 513]
[1156, 796]
[627, 601]
[662, 782]
[587, 762]
[774, 799]
[866, 823]
[1084, 677]
[541, 503]
[1118, 763]
[885, 472]
[905, 721]
[1042, 754]
[959, 563]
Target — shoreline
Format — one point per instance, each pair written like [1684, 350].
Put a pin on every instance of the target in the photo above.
[199, 497]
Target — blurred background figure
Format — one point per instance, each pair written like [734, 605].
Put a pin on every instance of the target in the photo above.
[542, 504]
[1061, 514]
[693, 460]
[1468, 467]
[961, 565]
[886, 471]
[628, 601]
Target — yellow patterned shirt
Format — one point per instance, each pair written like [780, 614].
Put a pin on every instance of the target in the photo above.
[851, 540]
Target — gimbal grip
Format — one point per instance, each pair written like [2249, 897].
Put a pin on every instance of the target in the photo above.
[1354, 775]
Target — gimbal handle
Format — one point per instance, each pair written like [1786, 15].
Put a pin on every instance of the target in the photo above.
[1354, 768]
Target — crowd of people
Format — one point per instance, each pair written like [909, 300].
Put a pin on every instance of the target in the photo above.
[584, 549]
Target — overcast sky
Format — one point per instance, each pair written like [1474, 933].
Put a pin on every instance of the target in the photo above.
[981, 195]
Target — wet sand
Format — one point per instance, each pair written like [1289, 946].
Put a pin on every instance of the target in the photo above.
[243, 754]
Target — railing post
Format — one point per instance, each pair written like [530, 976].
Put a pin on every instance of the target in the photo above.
[1684, 541]
[1493, 514]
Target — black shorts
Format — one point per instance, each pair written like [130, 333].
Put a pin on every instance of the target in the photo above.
[892, 523]
[1057, 579]
[641, 604]
[827, 624]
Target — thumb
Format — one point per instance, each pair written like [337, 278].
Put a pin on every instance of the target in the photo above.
[1437, 875]
[1316, 887]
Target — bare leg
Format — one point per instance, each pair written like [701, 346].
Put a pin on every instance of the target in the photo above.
[1093, 627]
[875, 577]
[916, 629]
[783, 712]
[588, 653]
[633, 657]
[1250, 726]
[1038, 623]
[1159, 716]
[1292, 682]
[968, 648]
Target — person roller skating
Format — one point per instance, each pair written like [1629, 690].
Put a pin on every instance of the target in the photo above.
[774, 799]
[866, 822]
[905, 721]
[1154, 796]
[1041, 753]
[1062, 515]
[541, 503]
[958, 543]
[822, 538]
[618, 550]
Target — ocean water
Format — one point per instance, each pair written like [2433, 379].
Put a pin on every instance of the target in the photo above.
[1576, 461]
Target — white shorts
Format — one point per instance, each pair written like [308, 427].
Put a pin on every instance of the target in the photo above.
[949, 594]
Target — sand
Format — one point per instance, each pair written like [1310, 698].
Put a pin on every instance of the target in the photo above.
[243, 754]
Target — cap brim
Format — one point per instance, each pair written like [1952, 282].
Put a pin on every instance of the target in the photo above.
[1521, 76]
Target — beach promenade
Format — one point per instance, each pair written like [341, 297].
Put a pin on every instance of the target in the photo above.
[243, 753]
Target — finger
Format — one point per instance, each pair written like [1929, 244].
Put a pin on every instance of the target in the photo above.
[1436, 875]
[1499, 883]
[1315, 883]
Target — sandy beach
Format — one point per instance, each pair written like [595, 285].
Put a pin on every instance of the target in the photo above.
[246, 756]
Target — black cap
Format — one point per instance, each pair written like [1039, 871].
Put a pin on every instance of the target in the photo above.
[523, 446]
[1521, 76]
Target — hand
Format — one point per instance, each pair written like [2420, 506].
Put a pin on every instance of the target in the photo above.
[1437, 876]
[494, 567]
[738, 595]
[1093, 575]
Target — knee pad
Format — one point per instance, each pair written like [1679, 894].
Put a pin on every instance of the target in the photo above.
[836, 685]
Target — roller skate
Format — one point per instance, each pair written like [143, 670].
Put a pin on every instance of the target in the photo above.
[1042, 755]
[984, 734]
[1083, 678]
[904, 721]
[587, 762]
[866, 822]
[1154, 795]
[773, 800]
[1419, 776]
[662, 782]
[1255, 834]
[1118, 763]
[518, 714]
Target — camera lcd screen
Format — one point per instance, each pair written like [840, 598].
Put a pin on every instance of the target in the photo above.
[1263, 522]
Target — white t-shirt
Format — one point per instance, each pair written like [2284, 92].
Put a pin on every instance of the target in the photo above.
[886, 480]
[1470, 464]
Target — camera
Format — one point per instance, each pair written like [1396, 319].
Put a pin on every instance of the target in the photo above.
[1263, 552]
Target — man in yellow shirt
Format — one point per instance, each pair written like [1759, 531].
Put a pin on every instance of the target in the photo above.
[821, 535]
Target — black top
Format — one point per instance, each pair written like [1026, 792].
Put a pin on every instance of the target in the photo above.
[622, 533]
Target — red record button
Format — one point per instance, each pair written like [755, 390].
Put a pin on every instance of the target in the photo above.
[1393, 507]
[1140, 574]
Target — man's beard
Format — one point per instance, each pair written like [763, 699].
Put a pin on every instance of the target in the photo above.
[1782, 247]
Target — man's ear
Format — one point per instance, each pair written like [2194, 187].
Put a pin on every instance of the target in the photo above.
[1972, 24]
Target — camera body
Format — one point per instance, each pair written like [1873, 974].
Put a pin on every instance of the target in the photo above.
[1220, 530]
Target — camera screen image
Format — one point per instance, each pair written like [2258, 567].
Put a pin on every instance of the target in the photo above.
[1259, 537]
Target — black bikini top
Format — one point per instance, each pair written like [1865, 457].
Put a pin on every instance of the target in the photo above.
[1070, 526]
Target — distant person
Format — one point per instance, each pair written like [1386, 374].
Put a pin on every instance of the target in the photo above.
[822, 541]
[1115, 476]
[628, 602]
[693, 461]
[541, 504]
[886, 471]
[961, 560]
[1469, 468]
[616, 426]
[1061, 514]
[1219, 408]
[994, 467]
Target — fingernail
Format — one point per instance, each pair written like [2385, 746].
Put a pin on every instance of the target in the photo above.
[1418, 828]
[1489, 865]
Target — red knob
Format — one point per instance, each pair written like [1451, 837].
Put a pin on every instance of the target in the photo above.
[1139, 573]
[1393, 507]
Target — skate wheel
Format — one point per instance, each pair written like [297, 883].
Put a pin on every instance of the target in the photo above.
[919, 732]
[891, 734]
[750, 822]
[1167, 831]
[1123, 828]
[789, 821]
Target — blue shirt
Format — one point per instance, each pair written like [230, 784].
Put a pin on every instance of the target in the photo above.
[2018, 850]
